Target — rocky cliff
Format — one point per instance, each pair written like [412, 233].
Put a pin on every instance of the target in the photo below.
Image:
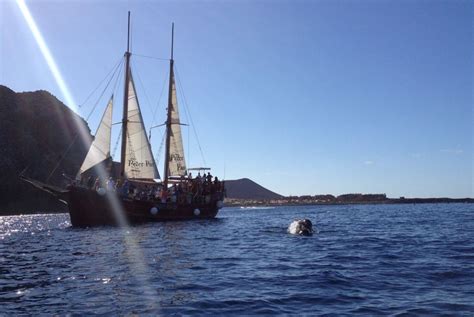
[37, 133]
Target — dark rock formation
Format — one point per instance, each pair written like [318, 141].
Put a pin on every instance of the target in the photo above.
[36, 131]
[247, 189]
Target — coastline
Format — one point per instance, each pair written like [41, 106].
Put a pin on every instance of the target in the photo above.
[263, 203]
[389, 201]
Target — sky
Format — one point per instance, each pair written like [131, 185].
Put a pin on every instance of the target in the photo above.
[303, 97]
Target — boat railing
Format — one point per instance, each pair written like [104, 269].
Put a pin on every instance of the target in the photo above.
[187, 191]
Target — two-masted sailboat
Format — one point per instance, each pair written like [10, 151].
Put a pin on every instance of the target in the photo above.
[135, 195]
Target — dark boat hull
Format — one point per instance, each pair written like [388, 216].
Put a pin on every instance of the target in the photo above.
[89, 208]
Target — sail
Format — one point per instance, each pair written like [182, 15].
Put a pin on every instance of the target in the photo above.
[139, 161]
[100, 148]
[177, 164]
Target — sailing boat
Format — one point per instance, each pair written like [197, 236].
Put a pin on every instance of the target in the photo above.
[136, 196]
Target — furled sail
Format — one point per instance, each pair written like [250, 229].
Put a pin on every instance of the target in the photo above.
[100, 147]
[177, 164]
[139, 161]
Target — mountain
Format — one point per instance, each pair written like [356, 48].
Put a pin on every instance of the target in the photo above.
[247, 189]
[37, 133]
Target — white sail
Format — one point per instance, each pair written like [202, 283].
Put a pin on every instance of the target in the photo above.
[100, 147]
[177, 163]
[139, 161]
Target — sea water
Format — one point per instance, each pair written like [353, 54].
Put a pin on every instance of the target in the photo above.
[363, 260]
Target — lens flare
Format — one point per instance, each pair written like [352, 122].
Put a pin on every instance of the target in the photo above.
[136, 256]
[83, 133]
[46, 54]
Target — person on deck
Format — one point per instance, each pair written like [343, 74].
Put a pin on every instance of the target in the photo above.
[160, 192]
[97, 183]
[164, 195]
[90, 182]
[125, 188]
[83, 180]
[110, 184]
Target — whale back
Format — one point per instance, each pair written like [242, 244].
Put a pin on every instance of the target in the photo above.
[302, 227]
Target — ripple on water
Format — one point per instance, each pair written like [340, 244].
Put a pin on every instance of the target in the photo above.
[365, 260]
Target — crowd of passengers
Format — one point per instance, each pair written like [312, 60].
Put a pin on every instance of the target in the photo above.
[200, 189]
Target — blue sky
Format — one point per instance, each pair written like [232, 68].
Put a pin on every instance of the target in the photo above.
[304, 97]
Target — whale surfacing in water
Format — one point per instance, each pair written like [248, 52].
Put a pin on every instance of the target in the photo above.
[301, 227]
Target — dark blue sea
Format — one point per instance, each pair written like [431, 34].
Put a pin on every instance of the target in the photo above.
[401, 260]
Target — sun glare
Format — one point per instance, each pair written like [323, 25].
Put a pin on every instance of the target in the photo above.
[135, 252]
[84, 135]
[46, 54]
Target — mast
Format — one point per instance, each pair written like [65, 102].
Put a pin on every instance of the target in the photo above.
[125, 103]
[168, 120]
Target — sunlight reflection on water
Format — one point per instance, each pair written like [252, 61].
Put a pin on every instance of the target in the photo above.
[364, 260]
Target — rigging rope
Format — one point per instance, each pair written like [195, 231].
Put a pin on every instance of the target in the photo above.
[63, 155]
[103, 91]
[117, 143]
[152, 57]
[162, 89]
[189, 152]
[119, 74]
[158, 154]
[100, 83]
[189, 117]
[158, 104]
[142, 86]
[149, 105]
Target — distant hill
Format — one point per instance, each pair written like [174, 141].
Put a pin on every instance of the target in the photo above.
[247, 189]
[36, 129]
